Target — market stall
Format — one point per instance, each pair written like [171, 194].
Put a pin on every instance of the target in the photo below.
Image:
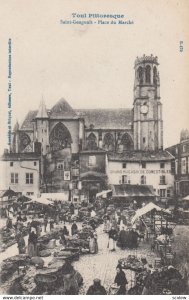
[7, 198]
[153, 219]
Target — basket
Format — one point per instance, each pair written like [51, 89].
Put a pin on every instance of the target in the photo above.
[44, 279]
[113, 290]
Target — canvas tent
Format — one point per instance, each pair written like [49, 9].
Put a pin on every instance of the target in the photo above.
[103, 194]
[186, 198]
[63, 196]
[146, 209]
[6, 194]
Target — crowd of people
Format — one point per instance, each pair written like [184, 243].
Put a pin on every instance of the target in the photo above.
[120, 232]
[35, 228]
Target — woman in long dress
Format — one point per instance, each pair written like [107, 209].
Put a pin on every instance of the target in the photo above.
[121, 281]
[32, 244]
[93, 246]
[21, 245]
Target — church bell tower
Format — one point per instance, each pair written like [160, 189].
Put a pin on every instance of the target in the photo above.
[147, 110]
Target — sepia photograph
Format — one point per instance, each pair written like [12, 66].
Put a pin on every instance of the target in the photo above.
[94, 149]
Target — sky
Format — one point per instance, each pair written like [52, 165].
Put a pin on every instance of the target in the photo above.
[92, 66]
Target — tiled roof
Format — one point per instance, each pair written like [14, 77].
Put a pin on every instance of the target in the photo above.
[159, 155]
[100, 118]
[62, 110]
[99, 151]
[27, 124]
[107, 118]
[19, 156]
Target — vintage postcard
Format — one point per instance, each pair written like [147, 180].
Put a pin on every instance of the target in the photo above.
[94, 148]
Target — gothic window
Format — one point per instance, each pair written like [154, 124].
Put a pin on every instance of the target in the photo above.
[92, 141]
[24, 141]
[154, 75]
[108, 142]
[126, 142]
[147, 74]
[140, 75]
[60, 137]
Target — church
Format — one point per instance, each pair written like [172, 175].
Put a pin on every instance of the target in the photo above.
[86, 151]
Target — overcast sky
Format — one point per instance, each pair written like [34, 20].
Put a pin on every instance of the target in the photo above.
[91, 66]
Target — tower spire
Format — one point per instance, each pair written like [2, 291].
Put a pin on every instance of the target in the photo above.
[42, 112]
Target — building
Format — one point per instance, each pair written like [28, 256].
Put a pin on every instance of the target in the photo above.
[86, 147]
[21, 172]
[143, 168]
[181, 164]
[93, 172]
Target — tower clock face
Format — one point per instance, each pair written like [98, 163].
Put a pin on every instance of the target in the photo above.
[144, 109]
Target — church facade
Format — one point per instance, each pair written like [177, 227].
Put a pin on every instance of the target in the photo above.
[77, 147]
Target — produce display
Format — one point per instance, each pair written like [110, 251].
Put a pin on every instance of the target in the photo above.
[8, 237]
[132, 263]
[162, 281]
[11, 265]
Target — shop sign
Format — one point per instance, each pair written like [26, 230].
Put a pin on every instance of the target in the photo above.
[140, 171]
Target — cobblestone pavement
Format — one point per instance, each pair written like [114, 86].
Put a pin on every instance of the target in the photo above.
[103, 264]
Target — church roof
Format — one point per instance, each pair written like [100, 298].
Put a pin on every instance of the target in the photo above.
[62, 110]
[136, 156]
[27, 124]
[120, 118]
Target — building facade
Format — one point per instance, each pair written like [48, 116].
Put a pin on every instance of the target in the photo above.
[21, 172]
[181, 164]
[143, 169]
[86, 147]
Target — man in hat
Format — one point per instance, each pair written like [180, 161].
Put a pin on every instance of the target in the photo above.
[96, 288]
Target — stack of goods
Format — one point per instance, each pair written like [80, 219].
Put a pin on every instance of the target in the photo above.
[8, 237]
[61, 280]
[27, 283]
[132, 263]
[83, 213]
[81, 240]
[10, 265]
[76, 242]
[68, 253]
[159, 282]
[47, 241]
[101, 213]
[110, 209]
